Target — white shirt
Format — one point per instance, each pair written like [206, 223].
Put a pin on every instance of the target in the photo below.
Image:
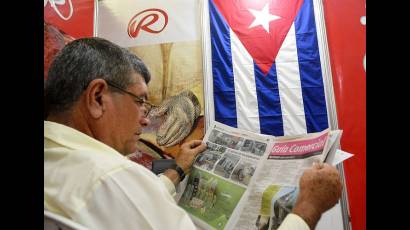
[293, 222]
[94, 185]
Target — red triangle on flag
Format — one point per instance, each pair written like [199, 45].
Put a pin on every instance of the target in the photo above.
[261, 26]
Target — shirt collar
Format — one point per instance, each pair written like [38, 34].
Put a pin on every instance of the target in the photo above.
[74, 139]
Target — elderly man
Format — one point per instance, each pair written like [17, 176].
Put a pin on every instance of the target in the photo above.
[95, 97]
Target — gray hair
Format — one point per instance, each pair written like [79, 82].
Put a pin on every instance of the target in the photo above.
[84, 60]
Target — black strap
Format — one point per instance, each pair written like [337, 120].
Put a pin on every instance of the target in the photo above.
[180, 172]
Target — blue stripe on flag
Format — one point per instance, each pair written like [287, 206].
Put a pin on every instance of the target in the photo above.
[270, 113]
[223, 79]
[310, 70]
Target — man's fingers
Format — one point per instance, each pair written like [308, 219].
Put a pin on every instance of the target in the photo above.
[197, 145]
[317, 165]
[326, 165]
[193, 143]
[330, 168]
[201, 147]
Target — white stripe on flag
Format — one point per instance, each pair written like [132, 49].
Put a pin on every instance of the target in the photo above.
[245, 86]
[290, 90]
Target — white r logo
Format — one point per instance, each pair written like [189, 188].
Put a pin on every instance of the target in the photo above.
[53, 4]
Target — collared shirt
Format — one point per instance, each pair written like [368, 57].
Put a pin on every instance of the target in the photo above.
[293, 222]
[94, 185]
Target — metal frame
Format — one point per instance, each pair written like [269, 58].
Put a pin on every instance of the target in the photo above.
[207, 64]
[330, 99]
[95, 28]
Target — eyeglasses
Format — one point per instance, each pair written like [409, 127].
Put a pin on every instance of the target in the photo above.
[148, 106]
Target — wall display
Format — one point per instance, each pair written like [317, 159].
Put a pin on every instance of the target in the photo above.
[166, 36]
[74, 17]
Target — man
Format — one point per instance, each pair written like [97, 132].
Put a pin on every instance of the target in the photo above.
[96, 100]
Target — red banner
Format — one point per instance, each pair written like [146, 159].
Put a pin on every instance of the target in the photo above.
[346, 31]
[74, 17]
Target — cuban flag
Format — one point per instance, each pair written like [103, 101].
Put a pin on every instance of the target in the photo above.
[266, 68]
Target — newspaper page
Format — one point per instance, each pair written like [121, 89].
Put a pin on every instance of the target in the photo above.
[245, 180]
[220, 176]
[273, 191]
[334, 143]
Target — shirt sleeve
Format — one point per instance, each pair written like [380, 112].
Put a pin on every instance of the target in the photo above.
[168, 184]
[132, 198]
[293, 222]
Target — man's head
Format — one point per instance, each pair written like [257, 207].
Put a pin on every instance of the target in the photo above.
[86, 89]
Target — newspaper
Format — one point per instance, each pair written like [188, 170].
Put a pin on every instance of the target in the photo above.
[273, 193]
[235, 181]
[221, 175]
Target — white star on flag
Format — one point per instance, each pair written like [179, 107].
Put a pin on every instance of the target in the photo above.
[263, 17]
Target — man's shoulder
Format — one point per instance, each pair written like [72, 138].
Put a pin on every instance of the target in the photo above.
[101, 162]
[84, 165]
[70, 176]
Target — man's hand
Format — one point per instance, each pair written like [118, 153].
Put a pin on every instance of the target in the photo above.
[180, 113]
[185, 158]
[320, 189]
[188, 153]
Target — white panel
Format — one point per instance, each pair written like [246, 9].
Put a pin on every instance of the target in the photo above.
[245, 87]
[207, 64]
[114, 16]
[290, 90]
[293, 116]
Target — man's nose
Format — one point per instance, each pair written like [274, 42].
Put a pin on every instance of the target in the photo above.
[145, 121]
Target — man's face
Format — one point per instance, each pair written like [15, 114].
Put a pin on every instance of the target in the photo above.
[128, 117]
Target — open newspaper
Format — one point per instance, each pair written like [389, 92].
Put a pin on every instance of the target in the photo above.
[245, 180]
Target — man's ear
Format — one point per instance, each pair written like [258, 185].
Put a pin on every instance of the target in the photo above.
[95, 97]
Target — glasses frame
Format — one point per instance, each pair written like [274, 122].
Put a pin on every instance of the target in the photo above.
[148, 105]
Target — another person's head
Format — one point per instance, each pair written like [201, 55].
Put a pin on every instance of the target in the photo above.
[91, 86]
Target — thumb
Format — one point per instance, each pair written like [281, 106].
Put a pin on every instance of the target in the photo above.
[201, 147]
[195, 143]
[198, 147]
